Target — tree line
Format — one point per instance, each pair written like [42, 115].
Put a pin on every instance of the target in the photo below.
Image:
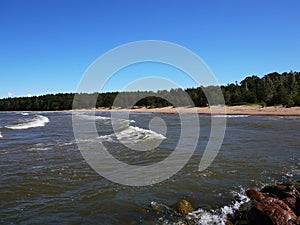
[272, 89]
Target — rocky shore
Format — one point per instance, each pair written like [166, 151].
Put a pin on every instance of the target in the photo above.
[272, 205]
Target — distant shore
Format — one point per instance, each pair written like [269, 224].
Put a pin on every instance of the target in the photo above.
[216, 110]
[230, 110]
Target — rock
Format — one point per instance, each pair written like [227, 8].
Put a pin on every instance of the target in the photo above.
[228, 222]
[291, 191]
[255, 195]
[273, 191]
[297, 221]
[291, 202]
[297, 210]
[240, 214]
[271, 211]
[166, 213]
[184, 207]
[281, 191]
[241, 222]
[163, 209]
[297, 185]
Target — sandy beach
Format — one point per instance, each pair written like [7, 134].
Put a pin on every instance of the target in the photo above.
[217, 110]
[231, 110]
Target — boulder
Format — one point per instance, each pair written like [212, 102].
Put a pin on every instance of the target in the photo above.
[271, 211]
[240, 214]
[291, 202]
[165, 212]
[184, 207]
[281, 191]
[292, 191]
[228, 222]
[297, 221]
[255, 195]
[297, 185]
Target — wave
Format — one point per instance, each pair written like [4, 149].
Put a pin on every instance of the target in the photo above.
[231, 116]
[219, 216]
[37, 121]
[33, 149]
[135, 138]
[1, 135]
[91, 117]
[202, 216]
[131, 134]
[127, 134]
[102, 118]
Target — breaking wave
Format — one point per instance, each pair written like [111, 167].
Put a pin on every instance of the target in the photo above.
[102, 118]
[231, 116]
[128, 134]
[36, 121]
[220, 216]
[132, 136]
[203, 216]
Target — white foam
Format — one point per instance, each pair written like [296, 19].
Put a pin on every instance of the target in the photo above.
[219, 216]
[209, 217]
[137, 133]
[108, 138]
[66, 144]
[37, 121]
[92, 117]
[131, 134]
[25, 114]
[1, 135]
[123, 131]
[38, 149]
[103, 118]
[231, 116]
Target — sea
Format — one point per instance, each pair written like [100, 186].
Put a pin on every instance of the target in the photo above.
[46, 178]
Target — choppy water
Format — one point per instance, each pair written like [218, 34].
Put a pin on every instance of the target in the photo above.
[45, 179]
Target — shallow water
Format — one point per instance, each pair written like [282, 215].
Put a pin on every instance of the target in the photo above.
[45, 179]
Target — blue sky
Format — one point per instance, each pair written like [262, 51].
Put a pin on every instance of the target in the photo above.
[46, 46]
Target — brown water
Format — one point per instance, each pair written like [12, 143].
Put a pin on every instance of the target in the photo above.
[45, 180]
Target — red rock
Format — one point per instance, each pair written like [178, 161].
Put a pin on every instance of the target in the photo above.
[255, 195]
[271, 211]
[297, 221]
[291, 202]
[281, 191]
[292, 192]
[288, 191]
[281, 187]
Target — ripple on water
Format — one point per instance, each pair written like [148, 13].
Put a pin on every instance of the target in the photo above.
[45, 178]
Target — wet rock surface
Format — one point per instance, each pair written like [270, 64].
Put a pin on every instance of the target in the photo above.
[275, 205]
[271, 211]
[272, 205]
[184, 207]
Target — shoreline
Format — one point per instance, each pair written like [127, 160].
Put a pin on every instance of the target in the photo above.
[253, 110]
[215, 110]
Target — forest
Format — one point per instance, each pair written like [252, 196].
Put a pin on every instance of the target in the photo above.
[272, 89]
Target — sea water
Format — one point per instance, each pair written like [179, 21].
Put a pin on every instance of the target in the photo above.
[46, 180]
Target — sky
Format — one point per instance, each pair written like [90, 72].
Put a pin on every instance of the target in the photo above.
[47, 46]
